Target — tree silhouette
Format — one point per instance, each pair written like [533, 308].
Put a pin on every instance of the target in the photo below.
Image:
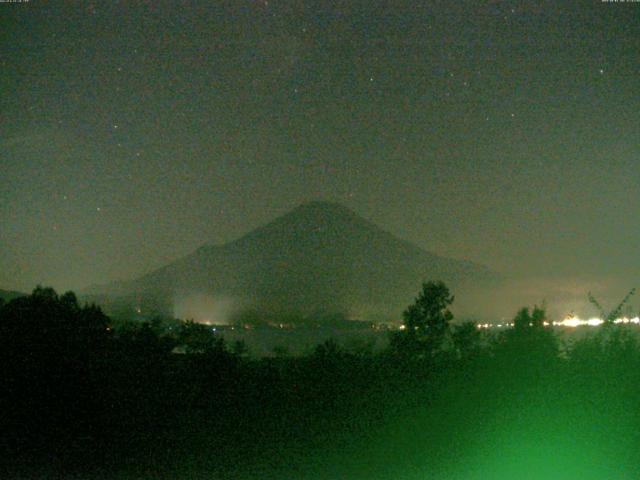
[198, 338]
[528, 345]
[614, 314]
[524, 321]
[466, 340]
[52, 327]
[426, 321]
[51, 354]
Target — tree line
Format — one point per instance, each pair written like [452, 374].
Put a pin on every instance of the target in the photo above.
[84, 395]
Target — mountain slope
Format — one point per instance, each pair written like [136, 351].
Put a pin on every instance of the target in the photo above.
[8, 295]
[319, 257]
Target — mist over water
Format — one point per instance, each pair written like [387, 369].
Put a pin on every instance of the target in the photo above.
[560, 295]
[205, 308]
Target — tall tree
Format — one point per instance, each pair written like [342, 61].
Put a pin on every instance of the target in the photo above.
[426, 322]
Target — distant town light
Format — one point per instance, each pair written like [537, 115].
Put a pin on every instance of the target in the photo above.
[569, 322]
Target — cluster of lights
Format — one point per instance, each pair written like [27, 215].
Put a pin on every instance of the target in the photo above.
[494, 325]
[594, 322]
[570, 322]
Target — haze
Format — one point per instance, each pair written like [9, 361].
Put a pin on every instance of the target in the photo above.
[504, 134]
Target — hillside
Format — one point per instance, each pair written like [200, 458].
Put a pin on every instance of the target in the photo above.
[8, 295]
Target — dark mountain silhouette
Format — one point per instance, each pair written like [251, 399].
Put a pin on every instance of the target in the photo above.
[320, 257]
[8, 295]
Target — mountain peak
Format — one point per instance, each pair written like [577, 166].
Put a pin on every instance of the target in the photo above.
[322, 209]
[310, 218]
[324, 205]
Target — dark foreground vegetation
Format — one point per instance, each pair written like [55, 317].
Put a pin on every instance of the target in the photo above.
[81, 398]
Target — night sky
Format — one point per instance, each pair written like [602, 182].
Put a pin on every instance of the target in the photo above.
[507, 133]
